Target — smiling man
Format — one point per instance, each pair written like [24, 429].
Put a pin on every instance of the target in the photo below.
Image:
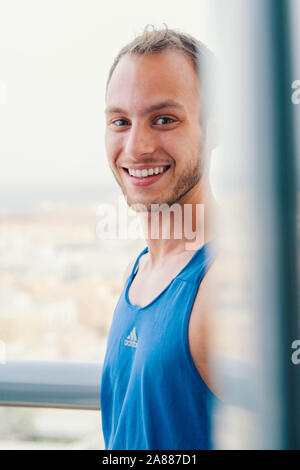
[156, 389]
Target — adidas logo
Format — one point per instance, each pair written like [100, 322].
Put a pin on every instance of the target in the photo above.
[131, 339]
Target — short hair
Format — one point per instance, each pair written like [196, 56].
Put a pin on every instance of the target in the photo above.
[153, 41]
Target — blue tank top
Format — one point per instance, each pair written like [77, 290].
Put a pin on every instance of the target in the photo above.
[152, 395]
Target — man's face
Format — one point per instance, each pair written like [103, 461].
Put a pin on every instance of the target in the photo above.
[153, 132]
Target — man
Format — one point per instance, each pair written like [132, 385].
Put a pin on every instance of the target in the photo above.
[156, 390]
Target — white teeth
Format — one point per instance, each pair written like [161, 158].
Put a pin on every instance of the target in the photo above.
[146, 172]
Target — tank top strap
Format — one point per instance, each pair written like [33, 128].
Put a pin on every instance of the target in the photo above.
[196, 268]
[137, 262]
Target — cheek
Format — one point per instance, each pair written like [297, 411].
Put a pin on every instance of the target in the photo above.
[178, 146]
[112, 145]
[171, 143]
[189, 143]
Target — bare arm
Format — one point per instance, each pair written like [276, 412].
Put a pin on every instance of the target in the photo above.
[200, 333]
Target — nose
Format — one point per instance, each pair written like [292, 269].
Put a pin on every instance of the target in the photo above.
[140, 141]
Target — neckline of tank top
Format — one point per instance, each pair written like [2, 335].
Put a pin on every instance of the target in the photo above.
[209, 244]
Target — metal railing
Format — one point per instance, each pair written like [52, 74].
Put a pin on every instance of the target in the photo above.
[74, 385]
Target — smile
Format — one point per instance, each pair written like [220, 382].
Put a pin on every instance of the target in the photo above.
[145, 176]
[145, 172]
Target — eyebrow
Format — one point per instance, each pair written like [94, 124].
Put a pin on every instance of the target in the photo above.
[153, 107]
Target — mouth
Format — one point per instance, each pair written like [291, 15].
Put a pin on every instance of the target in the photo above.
[145, 176]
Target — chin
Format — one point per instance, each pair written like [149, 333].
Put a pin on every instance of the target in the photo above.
[148, 206]
[138, 205]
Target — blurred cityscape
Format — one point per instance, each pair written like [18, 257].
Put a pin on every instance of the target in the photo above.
[59, 285]
[58, 289]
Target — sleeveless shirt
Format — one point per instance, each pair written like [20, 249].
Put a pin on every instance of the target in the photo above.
[152, 395]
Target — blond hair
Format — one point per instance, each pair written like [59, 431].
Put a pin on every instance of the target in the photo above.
[153, 41]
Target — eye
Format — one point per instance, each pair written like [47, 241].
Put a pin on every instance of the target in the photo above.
[120, 122]
[164, 120]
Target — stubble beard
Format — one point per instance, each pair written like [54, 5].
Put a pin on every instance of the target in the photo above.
[186, 182]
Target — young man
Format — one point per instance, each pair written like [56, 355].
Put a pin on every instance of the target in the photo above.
[156, 390]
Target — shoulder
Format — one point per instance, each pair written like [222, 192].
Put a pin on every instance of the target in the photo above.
[128, 270]
[130, 265]
[204, 298]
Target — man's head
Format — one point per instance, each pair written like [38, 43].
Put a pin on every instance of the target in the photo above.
[156, 113]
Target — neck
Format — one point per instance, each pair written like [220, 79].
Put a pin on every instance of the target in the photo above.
[185, 226]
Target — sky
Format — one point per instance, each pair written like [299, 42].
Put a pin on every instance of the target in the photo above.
[54, 60]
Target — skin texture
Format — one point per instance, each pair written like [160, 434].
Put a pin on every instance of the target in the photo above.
[171, 135]
[153, 119]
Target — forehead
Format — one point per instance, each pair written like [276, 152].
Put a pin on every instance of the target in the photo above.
[140, 80]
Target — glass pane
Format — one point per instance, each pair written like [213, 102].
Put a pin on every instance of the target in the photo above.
[59, 281]
[49, 429]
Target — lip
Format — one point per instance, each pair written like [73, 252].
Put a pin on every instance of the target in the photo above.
[141, 166]
[143, 181]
